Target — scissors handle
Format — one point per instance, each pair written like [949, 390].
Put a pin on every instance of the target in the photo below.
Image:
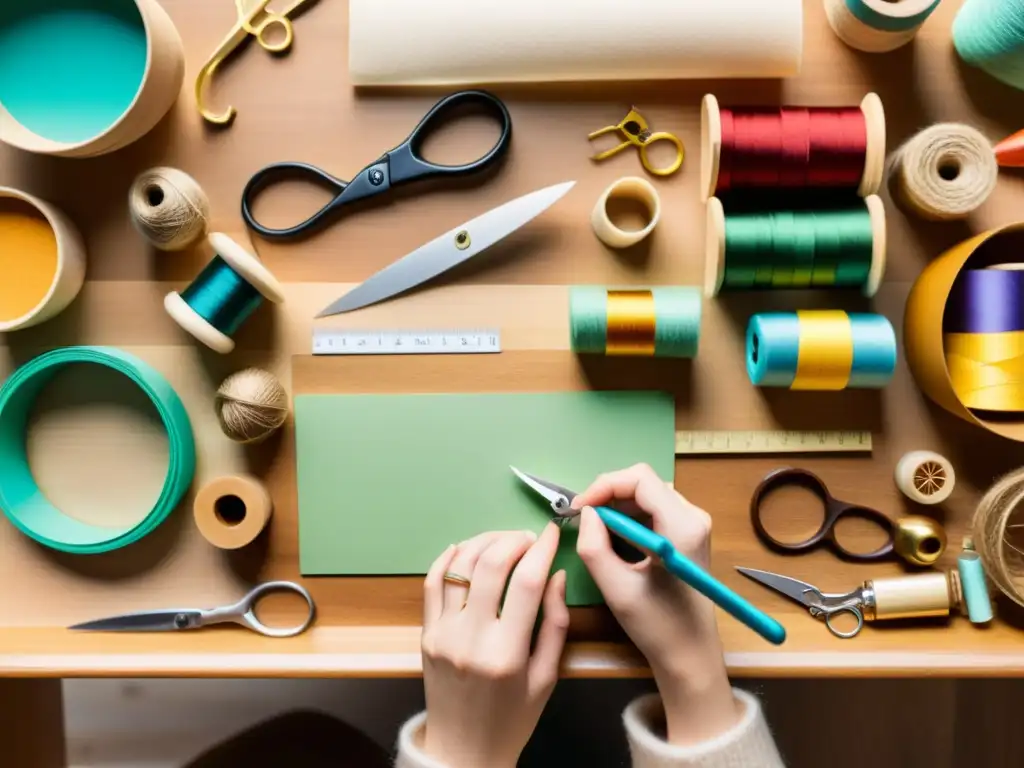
[689, 572]
[834, 510]
[277, 172]
[407, 164]
[244, 611]
[856, 612]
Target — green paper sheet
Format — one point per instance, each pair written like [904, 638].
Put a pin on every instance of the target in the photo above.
[386, 482]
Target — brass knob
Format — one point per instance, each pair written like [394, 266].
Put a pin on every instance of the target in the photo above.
[919, 540]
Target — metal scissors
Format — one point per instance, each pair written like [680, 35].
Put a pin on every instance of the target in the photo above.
[243, 613]
[634, 129]
[919, 540]
[400, 165]
[675, 562]
[248, 11]
[821, 605]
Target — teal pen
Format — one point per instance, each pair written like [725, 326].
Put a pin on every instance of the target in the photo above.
[674, 561]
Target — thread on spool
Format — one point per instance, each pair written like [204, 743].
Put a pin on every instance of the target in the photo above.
[168, 208]
[659, 322]
[876, 26]
[820, 350]
[792, 147]
[251, 404]
[224, 294]
[945, 172]
[925, 477]
[839, 248]
[990, 34]
[998, 534]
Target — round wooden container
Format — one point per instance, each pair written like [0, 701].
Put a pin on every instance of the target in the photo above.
[159, 81]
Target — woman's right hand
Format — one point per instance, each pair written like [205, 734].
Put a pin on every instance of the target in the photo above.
[672, 624]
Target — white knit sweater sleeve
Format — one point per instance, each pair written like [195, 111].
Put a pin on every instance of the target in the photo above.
[748, 745]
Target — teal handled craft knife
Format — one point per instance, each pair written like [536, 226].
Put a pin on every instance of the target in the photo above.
[450, 249]
[674, 561]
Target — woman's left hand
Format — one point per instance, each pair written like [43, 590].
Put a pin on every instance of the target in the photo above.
[485, 691]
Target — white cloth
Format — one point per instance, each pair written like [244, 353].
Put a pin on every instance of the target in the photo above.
[748, 744]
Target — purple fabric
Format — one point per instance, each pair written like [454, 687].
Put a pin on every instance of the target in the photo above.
[986, 301]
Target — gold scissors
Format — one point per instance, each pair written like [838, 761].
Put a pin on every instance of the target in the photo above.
[636, 132]
[248, 11]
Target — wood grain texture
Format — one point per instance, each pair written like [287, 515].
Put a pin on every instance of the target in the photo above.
[301, 107]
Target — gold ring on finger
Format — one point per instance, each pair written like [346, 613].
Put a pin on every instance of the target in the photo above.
[455, 578]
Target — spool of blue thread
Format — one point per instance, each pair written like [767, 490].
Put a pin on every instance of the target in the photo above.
[774, 350]
[224, 295]
[990, 35]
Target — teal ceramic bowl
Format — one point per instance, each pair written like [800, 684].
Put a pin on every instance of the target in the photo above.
[85, 77]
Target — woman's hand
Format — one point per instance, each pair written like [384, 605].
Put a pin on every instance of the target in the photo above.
[672, 624]
[485, 691]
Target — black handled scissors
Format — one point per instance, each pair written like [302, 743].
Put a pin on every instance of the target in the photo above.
[925, 540]
[397, 166]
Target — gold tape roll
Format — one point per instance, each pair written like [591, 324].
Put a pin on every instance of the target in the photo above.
[987, 348]
[231, 511]
[825, 356]
[922, 331]
[631, 323]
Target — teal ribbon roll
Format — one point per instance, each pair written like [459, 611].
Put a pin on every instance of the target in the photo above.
[642, 322]
[974, 587]
[820, 350]
[20, 498]
[890, 21]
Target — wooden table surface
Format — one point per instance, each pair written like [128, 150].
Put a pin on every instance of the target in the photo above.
[301, 107]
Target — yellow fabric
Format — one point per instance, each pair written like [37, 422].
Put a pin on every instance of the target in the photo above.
[28, 258]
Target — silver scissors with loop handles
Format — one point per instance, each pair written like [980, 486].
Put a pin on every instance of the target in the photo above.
[242, 613]
[821, 605]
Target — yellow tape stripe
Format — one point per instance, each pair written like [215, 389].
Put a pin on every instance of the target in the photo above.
[631, 323]
[825, 352]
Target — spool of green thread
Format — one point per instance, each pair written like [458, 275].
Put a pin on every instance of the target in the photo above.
[658, 322]
[833, 248]
[990, 34]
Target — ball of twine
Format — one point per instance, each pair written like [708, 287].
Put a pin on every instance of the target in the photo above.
[998, 534]
[945, 172]
[251, 404]
[168, 208]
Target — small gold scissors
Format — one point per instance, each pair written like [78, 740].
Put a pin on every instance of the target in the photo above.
[634, 128]
[248, 11]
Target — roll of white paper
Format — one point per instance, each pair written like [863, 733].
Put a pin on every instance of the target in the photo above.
[461, 42]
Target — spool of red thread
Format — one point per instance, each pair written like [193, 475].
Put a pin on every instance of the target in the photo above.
[792, 147]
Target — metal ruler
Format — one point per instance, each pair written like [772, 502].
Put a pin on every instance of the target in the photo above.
[739, 441]
[328, 341]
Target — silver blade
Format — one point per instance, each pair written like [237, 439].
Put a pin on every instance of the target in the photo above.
[442, 253]
[144, 621]
[794, 589]
[539, 486]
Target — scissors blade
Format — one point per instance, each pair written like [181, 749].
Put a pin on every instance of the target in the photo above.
[794, 589]
[558, 497]
[143, 621]
[443, 253]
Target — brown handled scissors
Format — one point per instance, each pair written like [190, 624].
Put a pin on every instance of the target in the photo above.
[919, 540]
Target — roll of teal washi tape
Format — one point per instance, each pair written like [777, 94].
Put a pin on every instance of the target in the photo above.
[773, 347]
[21, 499]
[885, 14]
[975, 589]
[874, 351]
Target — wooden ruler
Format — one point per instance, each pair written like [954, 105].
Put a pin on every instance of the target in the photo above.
[740, 441]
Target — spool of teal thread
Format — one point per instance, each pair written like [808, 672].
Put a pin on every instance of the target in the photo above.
[224, 295]
[990, 34]
[973, 585]
[677, 319]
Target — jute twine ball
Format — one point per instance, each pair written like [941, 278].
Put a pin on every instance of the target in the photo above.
[998, 534]
[251, 404]
[945, 172]
[168, 208]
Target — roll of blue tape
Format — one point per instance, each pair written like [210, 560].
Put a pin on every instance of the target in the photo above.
[874, 351]
[20, 498]
[773, 348]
